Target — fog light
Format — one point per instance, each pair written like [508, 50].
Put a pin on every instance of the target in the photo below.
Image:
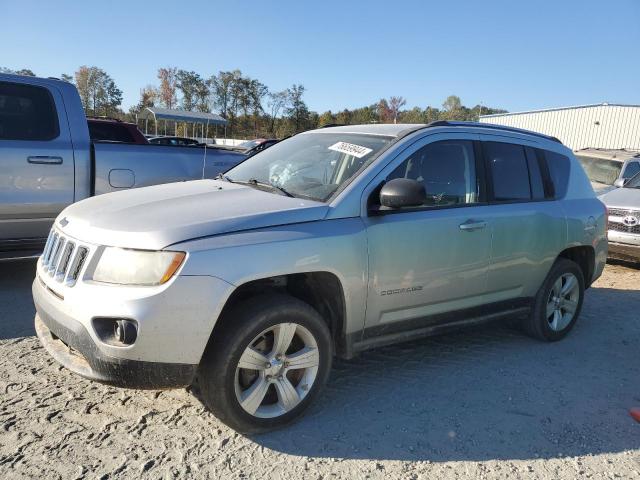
[125, 331]
[118, 332]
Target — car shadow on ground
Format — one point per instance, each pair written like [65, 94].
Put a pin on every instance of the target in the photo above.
[16, 303]
[482, 394]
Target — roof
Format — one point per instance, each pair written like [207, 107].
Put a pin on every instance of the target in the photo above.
[555, 109]
[181, 116]
[386, 129]
[401, 129]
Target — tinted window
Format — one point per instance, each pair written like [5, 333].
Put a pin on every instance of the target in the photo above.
[112, 132]
[631, 169]
[535, 174]
[447, 170]
[558, 166]
[508, 170]
[27, 113]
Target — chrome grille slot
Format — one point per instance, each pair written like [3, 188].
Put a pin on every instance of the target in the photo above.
[76, 265]
[65, 260]
[52, 246]
[47, 248]
[55, 255]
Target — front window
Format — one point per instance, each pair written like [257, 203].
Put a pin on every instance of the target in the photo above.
[310, 165]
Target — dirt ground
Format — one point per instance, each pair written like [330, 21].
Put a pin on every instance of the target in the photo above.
[486, 403]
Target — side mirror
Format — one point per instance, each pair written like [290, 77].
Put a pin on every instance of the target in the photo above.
[402, 192]
[619, 182]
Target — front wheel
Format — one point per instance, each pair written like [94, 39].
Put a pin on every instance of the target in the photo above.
[558, 302]
[266, 363]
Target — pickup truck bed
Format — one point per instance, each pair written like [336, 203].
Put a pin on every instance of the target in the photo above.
[47, 161]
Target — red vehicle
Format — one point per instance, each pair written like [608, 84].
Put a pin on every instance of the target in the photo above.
[114, 130]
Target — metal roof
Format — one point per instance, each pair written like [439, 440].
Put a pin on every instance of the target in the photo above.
[555, 109]
[181, 116]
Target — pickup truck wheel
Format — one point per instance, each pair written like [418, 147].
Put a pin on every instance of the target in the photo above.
[266, 363]
[558, 303]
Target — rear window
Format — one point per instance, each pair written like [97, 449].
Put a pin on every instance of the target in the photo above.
[27, 112]
[509, 171]
[558, 166]
[111, 132]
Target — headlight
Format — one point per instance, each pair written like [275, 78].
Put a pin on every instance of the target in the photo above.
[136, 267]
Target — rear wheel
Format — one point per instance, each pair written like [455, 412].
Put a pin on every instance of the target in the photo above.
[266, 363]
[558, 302]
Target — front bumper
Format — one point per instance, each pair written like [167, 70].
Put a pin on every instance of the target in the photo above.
[174, 323]
[624, 251]
[74, 349]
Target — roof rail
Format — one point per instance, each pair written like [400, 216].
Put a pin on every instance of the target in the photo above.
[447, 123]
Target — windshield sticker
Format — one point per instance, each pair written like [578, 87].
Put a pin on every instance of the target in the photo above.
[350, 149]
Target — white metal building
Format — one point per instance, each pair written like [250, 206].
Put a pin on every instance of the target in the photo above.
[603, 125]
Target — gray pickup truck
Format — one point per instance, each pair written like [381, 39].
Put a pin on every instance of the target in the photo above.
[47, 161]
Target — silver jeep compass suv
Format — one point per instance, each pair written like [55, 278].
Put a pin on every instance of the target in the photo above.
[329, 243]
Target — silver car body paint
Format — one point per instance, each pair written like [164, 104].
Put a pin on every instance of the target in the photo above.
[234, 234]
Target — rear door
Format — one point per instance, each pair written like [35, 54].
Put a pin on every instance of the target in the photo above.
[36, 163]
[528, 227]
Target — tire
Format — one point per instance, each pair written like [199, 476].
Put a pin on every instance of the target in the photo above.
[542, 323]
[264, 323]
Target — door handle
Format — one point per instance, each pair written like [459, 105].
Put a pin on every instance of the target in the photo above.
[44, 160]
[471, 225]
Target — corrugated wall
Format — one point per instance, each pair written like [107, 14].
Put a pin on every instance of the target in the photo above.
[597, 126]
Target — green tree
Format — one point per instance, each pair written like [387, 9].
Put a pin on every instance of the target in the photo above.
[297, 111]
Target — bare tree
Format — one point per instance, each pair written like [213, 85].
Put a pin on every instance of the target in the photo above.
[395, 104]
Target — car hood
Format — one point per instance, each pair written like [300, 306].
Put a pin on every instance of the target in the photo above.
[155, 217]
[622, 198]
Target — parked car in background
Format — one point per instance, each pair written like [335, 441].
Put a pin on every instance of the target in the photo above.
[176, 141]
[623, 205]
[113, 130]
[251, 147]
[48, 160]
[605, 167]
[331, 242]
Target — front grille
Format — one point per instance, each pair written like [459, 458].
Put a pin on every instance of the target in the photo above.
[616, 223]
[63, 258]
[621, 227]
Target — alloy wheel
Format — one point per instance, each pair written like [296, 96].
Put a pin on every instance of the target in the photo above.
[277, 370]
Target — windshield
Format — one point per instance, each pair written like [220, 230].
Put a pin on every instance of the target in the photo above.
[311, 165]
[600, 170]
[633, 182]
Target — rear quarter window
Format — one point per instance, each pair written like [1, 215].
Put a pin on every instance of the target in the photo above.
[27, 112]
[558, 166]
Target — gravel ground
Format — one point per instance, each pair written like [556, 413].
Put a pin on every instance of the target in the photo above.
[487, 403]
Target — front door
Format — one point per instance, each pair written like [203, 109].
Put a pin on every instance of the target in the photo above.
[428, 262]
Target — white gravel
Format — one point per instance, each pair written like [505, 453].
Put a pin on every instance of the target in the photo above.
[487, 403]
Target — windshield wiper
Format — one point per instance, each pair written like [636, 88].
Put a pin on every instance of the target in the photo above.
[253, 181]
[222, 176]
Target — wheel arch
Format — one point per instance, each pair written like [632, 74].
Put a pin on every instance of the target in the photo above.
[321, 289]
[585, 257]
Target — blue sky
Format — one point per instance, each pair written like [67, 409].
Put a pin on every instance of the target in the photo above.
[510, 54]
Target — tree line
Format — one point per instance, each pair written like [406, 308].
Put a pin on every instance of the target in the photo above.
[250, 107]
